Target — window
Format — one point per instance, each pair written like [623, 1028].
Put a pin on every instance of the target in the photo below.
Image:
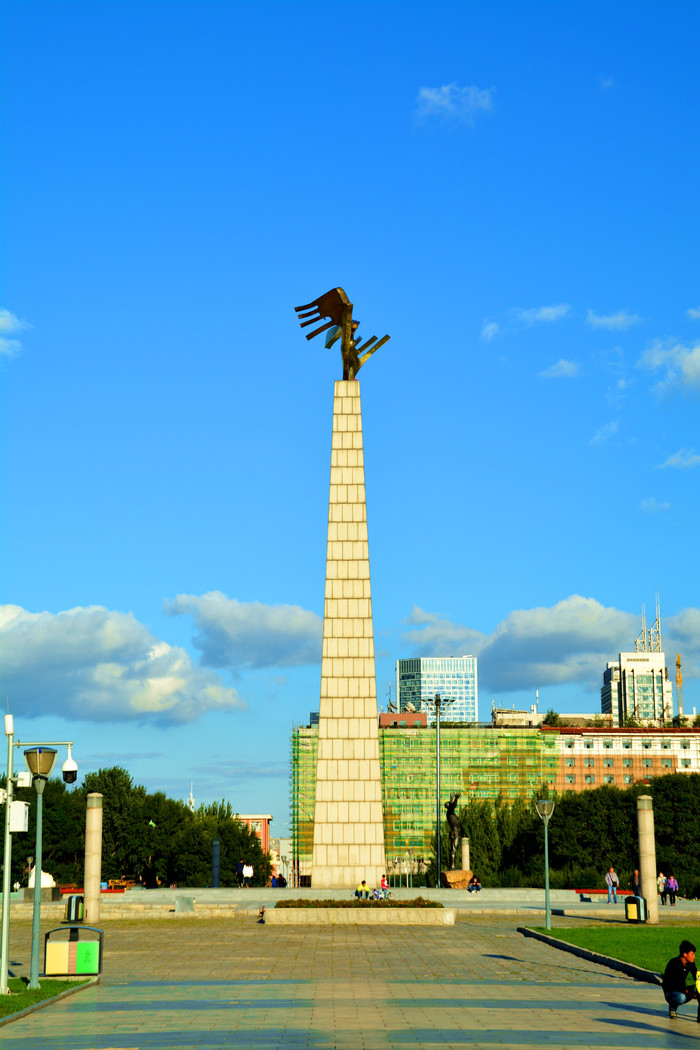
[567, 762]
[646, 744]
[685, 745]
[646, 762]
[665, 745]
[627, 761]
[568, 743]
[588, 761]
[685, 762]
[627, 744]
[588, 744]
[609, 778]
[589, 778]
[627, 778]
[666, 763]
[608, 763]
[607, 744]
[570, 779]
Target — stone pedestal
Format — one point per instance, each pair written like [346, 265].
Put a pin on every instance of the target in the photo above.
[348, 820]
[457, 879]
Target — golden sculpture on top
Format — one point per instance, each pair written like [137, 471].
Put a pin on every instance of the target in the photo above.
[336, 305]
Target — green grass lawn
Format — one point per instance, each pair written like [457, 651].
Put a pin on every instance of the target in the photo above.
[20, 998]
[647, 946]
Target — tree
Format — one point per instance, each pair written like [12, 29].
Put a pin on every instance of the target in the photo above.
[552, 718]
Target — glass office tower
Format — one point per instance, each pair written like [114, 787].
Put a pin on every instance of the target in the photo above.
[453, 677]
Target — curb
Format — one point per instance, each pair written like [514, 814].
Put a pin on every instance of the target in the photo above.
[637, 972]
[48, 1002]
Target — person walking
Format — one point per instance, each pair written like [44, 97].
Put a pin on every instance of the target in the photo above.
[247, 875]
[676, 991]
[612, 883]
[672, 889]
[661, 886]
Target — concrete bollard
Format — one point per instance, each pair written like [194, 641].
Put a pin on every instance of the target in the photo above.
[93, 857]
[647, 856]
[465, 855]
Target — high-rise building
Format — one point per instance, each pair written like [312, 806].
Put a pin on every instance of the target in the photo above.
[637, 687]
[453, 677]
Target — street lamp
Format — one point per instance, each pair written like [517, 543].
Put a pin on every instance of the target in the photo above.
[40, 762]
[545, 808]
[437, 702]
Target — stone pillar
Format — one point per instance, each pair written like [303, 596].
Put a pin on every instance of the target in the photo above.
[93, 857]
[348, 819]
[647, 856]
[465, 854]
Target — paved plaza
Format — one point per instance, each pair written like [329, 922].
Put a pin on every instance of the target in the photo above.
[218, 983]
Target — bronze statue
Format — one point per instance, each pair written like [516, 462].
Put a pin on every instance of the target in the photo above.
[455, 827]
[336, 305]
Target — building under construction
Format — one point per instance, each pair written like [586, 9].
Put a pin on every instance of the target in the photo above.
[479, 762]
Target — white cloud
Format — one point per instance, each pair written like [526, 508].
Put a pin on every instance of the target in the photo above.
[680, 365]
[103, 666]
[621, 320]
[249, 634]
[694, 313]
[451, 102]
[489, 329]
[605, 432]
[540, 314]
[563, 369]
[570, 642]
[653, 506]
[606, 83]
[682, 460]
[9, 324]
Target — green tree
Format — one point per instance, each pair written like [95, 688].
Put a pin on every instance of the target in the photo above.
[552, 718]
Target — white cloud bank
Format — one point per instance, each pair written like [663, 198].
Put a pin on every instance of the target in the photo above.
[684, 459]
[539, 314]
[653, 506]
[249, 634]
[614, 322]
[563, 369]
[9, 324]
[451, 102]
[694, 313]
[570, 642]
[101, 666]
[679, 365]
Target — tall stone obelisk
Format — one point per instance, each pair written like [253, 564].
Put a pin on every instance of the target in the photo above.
[348, 822]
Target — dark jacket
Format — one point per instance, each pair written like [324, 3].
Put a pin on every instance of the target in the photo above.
[675, 975]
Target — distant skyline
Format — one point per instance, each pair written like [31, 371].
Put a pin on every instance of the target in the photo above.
[508, 190]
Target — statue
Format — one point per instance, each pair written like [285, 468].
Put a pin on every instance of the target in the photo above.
[336, 305]
[455, 827]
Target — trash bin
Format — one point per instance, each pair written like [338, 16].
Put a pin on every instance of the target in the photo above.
[635, 909]
[74, 908]
[80, 954]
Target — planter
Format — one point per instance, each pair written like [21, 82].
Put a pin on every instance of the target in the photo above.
[361, 916]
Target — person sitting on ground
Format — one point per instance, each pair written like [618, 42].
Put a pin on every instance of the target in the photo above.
[676, 991]
[362, 891]
[474, 885]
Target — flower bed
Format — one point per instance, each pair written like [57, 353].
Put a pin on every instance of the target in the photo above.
[417, 902]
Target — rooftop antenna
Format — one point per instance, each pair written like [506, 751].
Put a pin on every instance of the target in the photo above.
[190, 800]
[640, 645]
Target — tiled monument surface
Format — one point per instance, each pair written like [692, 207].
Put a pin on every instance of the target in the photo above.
[348, 824]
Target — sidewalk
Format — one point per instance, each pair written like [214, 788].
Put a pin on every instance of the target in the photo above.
[236, 983]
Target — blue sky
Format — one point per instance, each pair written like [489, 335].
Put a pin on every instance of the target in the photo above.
[509, 190]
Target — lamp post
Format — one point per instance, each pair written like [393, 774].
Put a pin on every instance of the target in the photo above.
[40, 761]
[437, 702]
[7, 860]
[545, 808]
